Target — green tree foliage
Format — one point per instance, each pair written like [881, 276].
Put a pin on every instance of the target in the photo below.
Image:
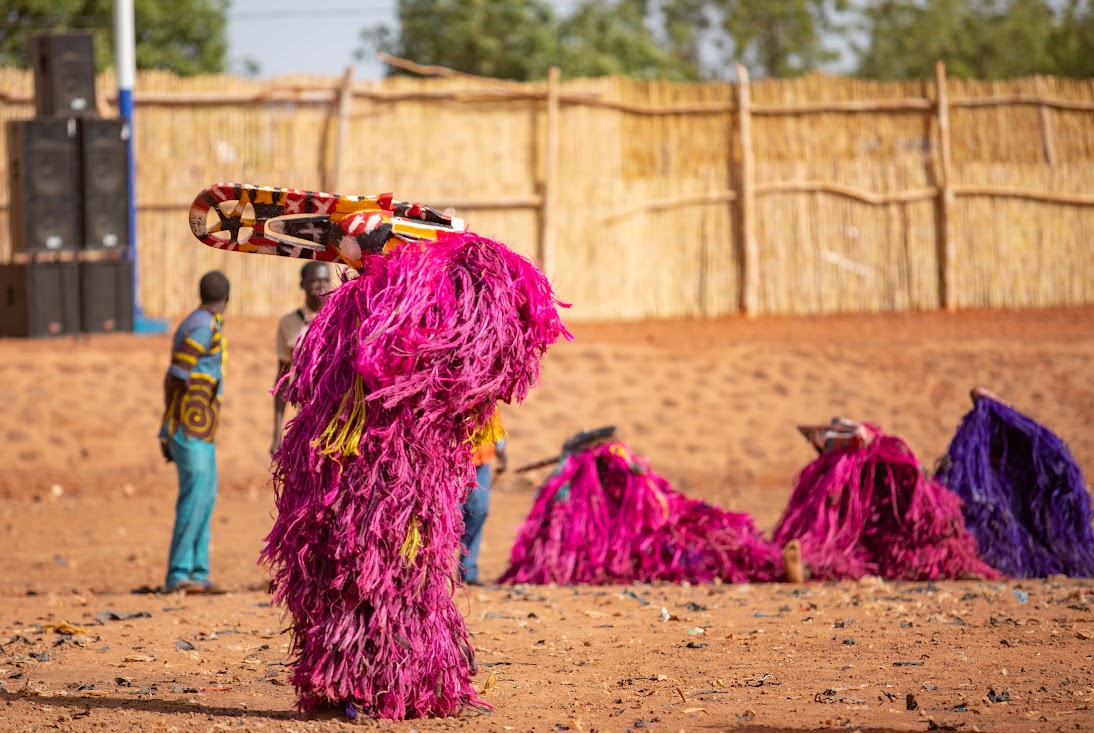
[523, 39]
[780, 38]
[686, 26]
[983, 39]
[1072, 41]
[688, 39]
[600, 38]
[504, 39]
[772, 38]
[184, 36]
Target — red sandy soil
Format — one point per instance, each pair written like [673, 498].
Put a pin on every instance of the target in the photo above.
[86, 505]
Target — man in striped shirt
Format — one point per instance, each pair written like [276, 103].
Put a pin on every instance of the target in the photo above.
[192, 395]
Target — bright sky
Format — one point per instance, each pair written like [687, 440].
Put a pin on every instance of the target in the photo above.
[290, 37]
[285, 37]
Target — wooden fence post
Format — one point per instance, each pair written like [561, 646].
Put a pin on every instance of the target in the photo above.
[342, 108]
[1044, 120]
[550, 177]
[946, 194]
[749, 269]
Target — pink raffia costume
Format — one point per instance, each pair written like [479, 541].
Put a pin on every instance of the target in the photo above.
[397, 380]
[866, 507]
[604, 516]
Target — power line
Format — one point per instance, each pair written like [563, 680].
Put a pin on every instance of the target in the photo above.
[97, 20]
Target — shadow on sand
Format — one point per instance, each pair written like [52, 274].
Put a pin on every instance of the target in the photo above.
[147, 704]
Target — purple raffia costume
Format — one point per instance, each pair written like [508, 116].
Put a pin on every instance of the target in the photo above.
[1026, 501]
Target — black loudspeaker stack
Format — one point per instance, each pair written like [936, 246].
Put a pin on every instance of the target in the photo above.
[104, 184]
[64, 74]
[39, 299]
[69, 207]
[43, 180]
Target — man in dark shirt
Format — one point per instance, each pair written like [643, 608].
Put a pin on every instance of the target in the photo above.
[315, 282]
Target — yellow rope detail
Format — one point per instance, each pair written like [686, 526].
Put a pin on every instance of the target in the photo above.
[491, 432]
[344, 437]
[413, 541]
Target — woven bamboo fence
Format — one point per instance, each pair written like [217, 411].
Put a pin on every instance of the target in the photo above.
[648, 199]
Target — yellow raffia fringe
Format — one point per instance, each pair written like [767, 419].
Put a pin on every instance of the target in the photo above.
[620, 451]
[413, 541]
[491, 432]
[344, 438]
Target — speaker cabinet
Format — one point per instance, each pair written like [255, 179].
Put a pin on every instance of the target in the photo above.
[64, 74]
[43, 175]
[106, 296]
[39, 299]
[104, 176]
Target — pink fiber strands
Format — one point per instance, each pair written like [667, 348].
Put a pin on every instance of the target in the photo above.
[402, 364]
[871, 511]
[604, 516]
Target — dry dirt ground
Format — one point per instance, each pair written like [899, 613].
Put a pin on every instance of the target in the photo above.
[86, 506]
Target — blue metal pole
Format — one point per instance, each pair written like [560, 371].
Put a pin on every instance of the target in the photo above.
[125, 111]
